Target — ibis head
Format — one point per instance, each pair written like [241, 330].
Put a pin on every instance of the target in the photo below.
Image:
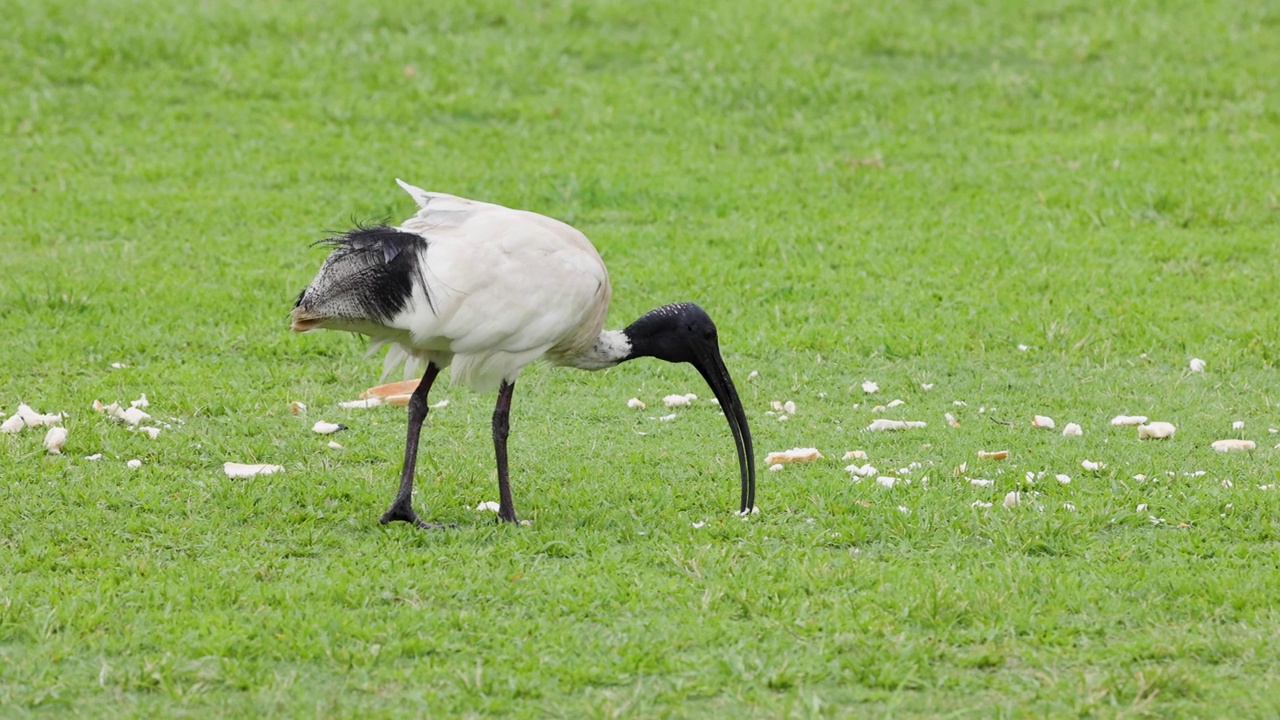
[684, 333]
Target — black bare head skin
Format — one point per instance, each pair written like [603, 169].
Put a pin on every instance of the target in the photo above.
[677, 333]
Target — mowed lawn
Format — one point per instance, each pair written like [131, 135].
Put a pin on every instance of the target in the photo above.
[1042, 208]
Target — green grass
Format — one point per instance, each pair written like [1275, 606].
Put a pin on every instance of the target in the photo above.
[903, 194]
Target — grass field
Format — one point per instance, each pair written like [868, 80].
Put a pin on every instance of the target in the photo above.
[904, 194]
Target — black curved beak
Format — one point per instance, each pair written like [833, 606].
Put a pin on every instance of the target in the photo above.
[711, 366]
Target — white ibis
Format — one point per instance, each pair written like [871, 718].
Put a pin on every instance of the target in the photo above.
[486, 290]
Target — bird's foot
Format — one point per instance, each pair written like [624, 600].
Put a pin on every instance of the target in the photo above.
[404, 513]
[507, 513]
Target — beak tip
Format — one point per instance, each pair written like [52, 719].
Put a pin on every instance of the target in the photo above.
[717, 376]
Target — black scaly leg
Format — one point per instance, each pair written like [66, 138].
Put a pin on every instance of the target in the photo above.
[501, 424]
[402, 507]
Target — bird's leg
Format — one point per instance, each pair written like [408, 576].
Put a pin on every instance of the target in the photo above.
[402, 507]
[501, 424]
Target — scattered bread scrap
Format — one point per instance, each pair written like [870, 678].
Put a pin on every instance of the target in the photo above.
[129, 416]
[793, 455]
[362, 403]
[1231, 444]
[29, 418]
[1156, 431]
[241, 470]
[326, 428]
[404, 387]
[35, 419]
[55, 439]
[884, 424]
[993, 455]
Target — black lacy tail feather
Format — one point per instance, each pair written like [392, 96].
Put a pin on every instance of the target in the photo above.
[392, 265]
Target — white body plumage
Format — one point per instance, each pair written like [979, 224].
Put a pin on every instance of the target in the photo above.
[481, 303]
